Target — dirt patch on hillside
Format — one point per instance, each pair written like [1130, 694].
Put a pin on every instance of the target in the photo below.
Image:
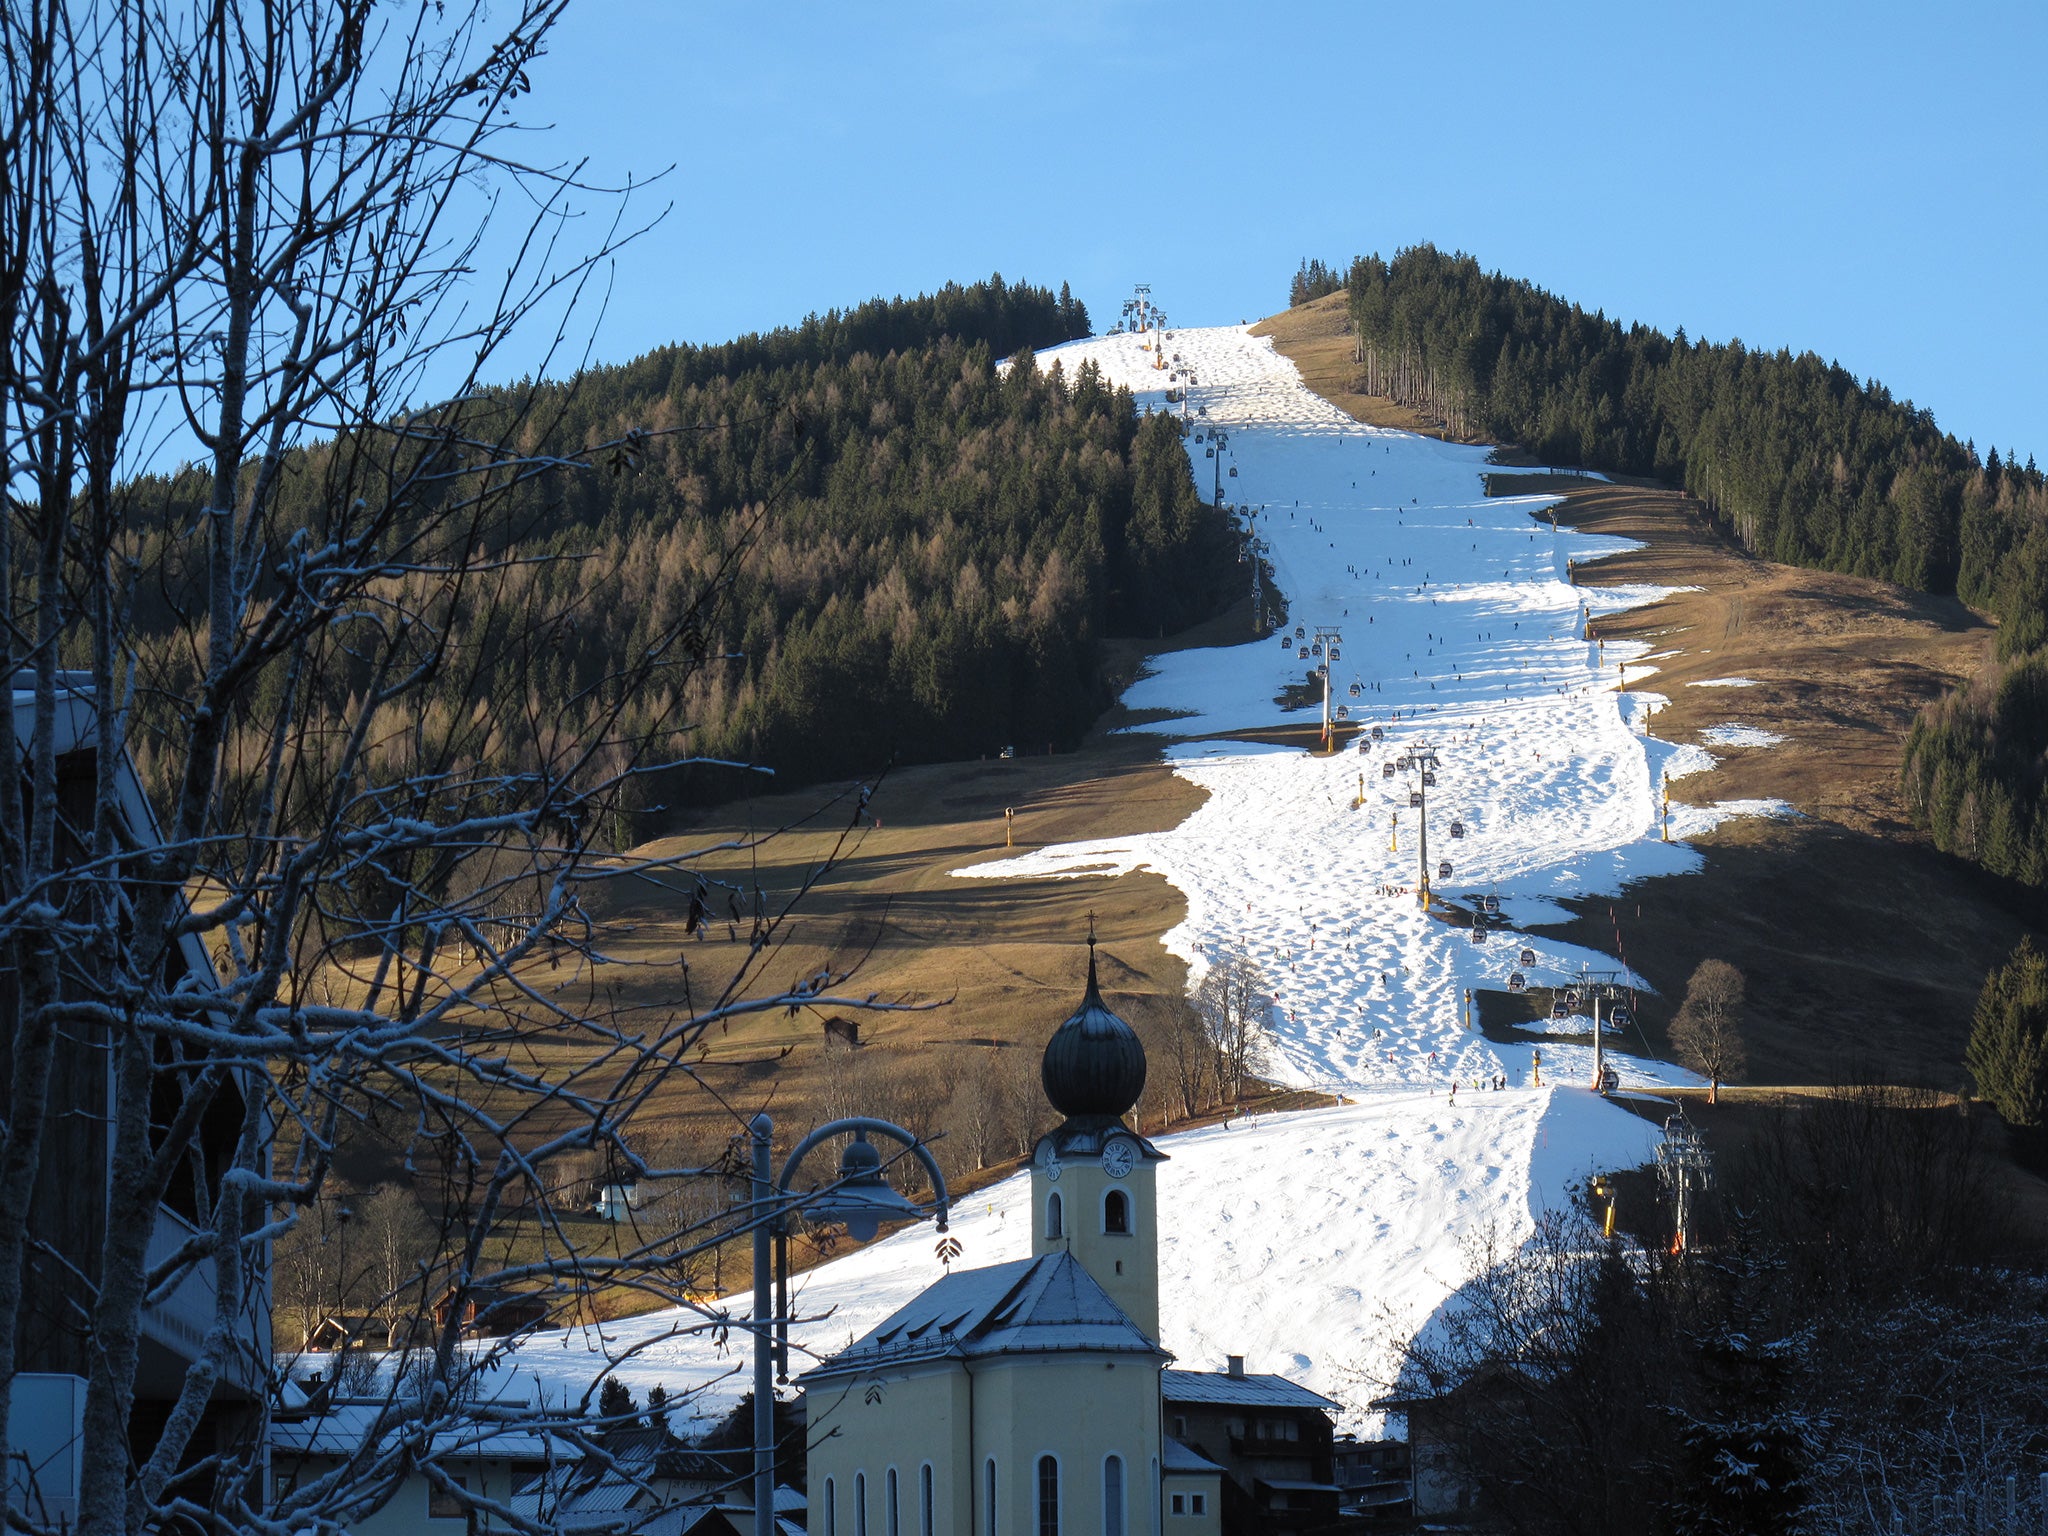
[1863, 947]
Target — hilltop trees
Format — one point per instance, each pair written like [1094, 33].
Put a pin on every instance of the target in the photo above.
[1707, 1033]
[1800, 460]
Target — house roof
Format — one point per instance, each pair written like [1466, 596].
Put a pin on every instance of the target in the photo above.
[1180, 1457]
[341, 1428]
[1028, 1306]
[1239, 1391]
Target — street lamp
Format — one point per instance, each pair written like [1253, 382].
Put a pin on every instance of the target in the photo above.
[862, 1199]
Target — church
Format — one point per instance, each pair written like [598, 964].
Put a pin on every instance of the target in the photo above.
[1027, 1397]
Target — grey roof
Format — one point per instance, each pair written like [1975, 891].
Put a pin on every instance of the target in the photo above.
[1028, 1306]
[1178, 1457]
[1242, 1391]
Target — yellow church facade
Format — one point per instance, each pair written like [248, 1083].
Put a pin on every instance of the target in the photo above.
[1023, 1399]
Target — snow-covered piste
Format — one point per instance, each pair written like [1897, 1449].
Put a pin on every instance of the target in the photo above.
[1317, 1243]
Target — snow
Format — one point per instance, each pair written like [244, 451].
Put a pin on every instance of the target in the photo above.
[1316, 1243]
[1740, 736]
[1724, 682]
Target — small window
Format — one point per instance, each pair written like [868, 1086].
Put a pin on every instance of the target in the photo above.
[1180, 1503]
[991, 1496]
[860, 1504]
[1054, 1228]
[891, 1520]
[1294, 1429]
[444, 1504]
[831, 1510]
[1116, 1212]
[1048, 1496]
[925, 1513]
[1200, 1503]
[1113, 1496]
[1180, 1426]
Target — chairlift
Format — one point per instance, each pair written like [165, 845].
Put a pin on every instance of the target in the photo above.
[1528, 957]
[1517, 982]
[1386, 770]
[1414, 799]
[1443, 869]
[1457, 829]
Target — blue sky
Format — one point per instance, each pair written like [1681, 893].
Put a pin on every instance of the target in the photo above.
[1867, 181]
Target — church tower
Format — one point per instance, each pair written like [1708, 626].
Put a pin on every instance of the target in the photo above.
[1094, 1183]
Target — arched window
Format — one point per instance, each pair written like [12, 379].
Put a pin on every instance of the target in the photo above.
[991, 1496]
[831, 1510]
[860, 1504]
[1116, 1212]
[1113, 1496]
[891, 1521]
[1048, 1496]
[925, 1515]
[1054, 1227]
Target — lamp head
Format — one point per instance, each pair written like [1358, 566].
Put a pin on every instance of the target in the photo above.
[862, 1199]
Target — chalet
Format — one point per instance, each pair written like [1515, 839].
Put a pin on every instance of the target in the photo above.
[69, 1208]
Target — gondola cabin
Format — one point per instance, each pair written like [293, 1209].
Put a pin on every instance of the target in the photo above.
[1414, 799]
[1492, 904]
[1443, 869]
[1386, 770]
[1457, 829]
[1304, 654]
[1517, 982]
[1428, 780]
[1621, 1017]
[1343, 711]
[1356, 690]
[1478, 933]
[1560, 1010]
[1528, 957]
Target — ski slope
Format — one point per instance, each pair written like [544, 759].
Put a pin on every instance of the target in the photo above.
[1316, 1243]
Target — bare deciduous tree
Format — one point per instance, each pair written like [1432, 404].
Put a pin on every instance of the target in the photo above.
[264, 228]
[1234, 1007]
[1707, 1033]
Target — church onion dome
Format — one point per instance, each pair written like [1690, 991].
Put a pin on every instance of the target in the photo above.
[1094, 1067]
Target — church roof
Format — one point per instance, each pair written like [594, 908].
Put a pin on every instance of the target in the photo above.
[1178, 1456]
[1028, 1306]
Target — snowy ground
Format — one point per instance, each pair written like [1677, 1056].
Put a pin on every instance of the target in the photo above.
[1315, 1243]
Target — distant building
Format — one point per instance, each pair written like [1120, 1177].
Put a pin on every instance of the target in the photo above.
[648, 1483]
[1375, 1478]
[1033, 1397]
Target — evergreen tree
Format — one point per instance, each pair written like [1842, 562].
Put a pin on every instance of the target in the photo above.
[2008, 1051]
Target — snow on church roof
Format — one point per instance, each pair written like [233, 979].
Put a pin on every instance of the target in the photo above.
[1028, 1306]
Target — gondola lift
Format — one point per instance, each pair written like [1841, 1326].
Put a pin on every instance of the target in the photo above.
[1356, 690]
[1517, 982]
[1334, 653]
[1343, 711]
[1492, 904]
[1443, 869]
[1378, 734]
[1478, 934]
[1386, 770]
[1621, 1017]
[1528, 957]
[1428, 779]
[1560, 1010]
[1414, 799]
[1304, 654]
[1299, 632]
[1457, 829]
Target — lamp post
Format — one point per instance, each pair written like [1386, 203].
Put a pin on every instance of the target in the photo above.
[862, 1199]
